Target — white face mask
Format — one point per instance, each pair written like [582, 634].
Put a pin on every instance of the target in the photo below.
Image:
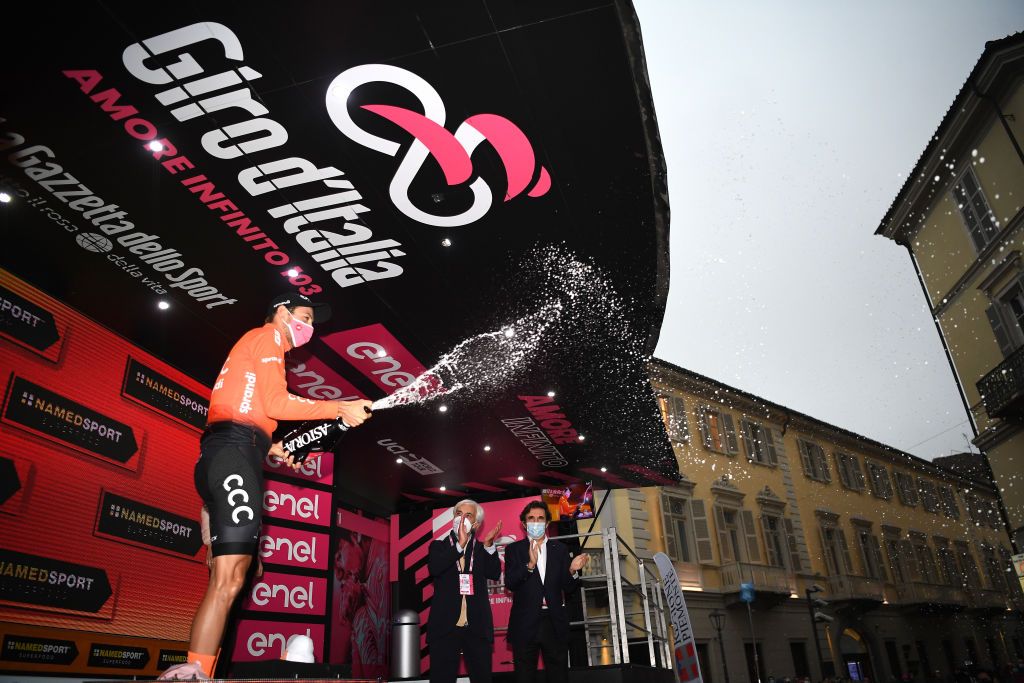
[465, 523]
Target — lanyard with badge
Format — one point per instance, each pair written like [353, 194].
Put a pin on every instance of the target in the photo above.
[465, 576]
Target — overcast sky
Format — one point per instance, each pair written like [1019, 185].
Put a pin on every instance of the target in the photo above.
[788, 128]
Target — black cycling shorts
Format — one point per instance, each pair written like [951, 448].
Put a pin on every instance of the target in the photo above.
[229, 479]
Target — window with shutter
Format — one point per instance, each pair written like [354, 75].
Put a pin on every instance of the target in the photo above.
[1010, 308]
[843, 470]
[666, 415]
[948, 570]
[828, 550]
[881, 487]
[870, 553]
[974, 209]
[807, 459]
[1008, 573]
[973, 506]
[815, 464]
[929, 499]
[908, 562]
[772, 544]
[967, 566]
[826, 476]
[860, 536]
[730, 434]
[873, 478]
[837, 551]
[776, 447]
[926, 566]
[995, 518]
[876, 552]
[850, 473]
[991, 565]
[704, 426]
[844, 546]
[673, 414]
[701, 530]
[892, 549]
[856, 473]
[681, 422]
[678, 527]
[725, 549]
[1002, 335]
[905, 488]
[759, 442]
[670, 539]
[748, 441]
[947, 502]
[717, 430]
[750, 531]
[791, 542]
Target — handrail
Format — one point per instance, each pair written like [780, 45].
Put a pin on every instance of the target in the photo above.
[623, 592]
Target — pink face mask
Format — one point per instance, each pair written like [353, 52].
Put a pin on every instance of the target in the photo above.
[299, 331]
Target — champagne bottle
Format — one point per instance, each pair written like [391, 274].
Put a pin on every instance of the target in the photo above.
[313, 436]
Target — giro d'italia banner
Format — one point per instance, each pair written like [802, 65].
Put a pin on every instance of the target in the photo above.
[687, 665]
[438, 173]
[101, 556]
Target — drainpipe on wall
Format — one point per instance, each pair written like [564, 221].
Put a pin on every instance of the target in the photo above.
[1020, 155]
[942, 337]
[963, 397]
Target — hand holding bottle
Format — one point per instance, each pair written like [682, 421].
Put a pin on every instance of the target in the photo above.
[354, 413]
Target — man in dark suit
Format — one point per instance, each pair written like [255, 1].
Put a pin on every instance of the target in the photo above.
[539, 574]
[460, 611]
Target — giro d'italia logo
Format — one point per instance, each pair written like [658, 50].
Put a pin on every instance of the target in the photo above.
[90, 241]
[430, 138]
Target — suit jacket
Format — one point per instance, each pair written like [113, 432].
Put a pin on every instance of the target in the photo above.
[528, 591]
[447, 601]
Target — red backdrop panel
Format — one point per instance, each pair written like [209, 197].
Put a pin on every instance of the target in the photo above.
[95, 536]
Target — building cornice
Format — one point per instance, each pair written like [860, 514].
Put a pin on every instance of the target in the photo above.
[1011, 262]
[723, 488]
[996, 434]
[766, 498]
[661, 371]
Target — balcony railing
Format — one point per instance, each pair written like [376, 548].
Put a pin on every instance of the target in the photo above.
[1003, 387]
[765, 578]
[985, 599]
[845, 587]
[916, 593]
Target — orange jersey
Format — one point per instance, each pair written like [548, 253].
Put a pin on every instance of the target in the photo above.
[252, 389]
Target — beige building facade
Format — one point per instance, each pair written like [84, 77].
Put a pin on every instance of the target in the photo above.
[960, 218]
[913, 559]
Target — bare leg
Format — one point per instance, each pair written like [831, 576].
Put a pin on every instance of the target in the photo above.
[226, 582]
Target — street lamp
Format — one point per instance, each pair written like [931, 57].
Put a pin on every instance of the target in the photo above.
[717, 621]
[816, 617]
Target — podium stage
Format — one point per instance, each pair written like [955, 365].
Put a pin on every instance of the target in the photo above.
[613, 673]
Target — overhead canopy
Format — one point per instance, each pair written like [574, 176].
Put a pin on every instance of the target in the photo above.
[434, 170]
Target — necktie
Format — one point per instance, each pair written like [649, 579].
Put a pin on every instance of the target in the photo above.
[463, 619]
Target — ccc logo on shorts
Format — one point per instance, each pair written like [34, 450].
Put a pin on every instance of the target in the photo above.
[234, 493]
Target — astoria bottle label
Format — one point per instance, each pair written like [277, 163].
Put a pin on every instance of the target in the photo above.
[314, 436]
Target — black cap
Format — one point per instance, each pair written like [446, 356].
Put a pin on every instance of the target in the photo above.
[321, 311]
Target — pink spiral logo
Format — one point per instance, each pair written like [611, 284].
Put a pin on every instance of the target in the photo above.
[451, 151]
